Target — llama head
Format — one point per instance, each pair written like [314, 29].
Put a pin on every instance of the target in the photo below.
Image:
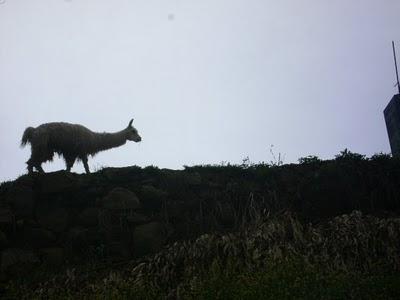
[132, 134]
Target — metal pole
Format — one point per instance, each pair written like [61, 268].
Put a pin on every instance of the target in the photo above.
[395, 64]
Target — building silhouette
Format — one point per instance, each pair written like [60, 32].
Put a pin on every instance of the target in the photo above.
[392, 119]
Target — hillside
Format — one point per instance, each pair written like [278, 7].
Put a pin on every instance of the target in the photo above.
[338, 219]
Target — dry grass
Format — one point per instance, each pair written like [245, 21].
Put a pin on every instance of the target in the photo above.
[348, 244]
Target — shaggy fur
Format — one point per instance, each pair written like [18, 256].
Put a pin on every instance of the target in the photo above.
[72, 141]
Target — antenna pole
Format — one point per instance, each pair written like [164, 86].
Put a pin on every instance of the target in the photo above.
[395, 64]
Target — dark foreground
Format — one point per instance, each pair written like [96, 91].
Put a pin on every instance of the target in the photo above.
[349, 257]
[317, 230]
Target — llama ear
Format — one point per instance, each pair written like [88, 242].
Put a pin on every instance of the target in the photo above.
[130, 123]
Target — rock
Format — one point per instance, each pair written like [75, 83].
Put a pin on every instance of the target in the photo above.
[31, 223]
[152, 198]
[172, 178]
[20, 223]
[51, 217]
[120, 250]
[15, 261]
[192, 178]
[58, 182]
[80, 237]
[149, 181]
[149, 191]
[94, 191]
[176, 209]
[176, 178]
[39, 237]
[89, 217]
[149, 238]
[52, 256]
[77, 238]
[7, 218]
[119, 199]
[215, 185]
[114, 234]
[3, 240]
[94, 236]
[21, 199]
[136, 219]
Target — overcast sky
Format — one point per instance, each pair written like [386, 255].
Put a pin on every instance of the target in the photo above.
[206, 81]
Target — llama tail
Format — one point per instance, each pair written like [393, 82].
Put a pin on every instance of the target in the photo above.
[27, 136]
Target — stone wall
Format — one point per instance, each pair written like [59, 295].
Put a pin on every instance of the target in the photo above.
[60, 218]
[121, 213]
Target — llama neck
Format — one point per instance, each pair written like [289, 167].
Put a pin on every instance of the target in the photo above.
[104, 141]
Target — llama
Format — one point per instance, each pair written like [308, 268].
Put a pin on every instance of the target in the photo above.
[72, 141]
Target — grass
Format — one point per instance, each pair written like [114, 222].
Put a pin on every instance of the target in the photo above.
[292, 279]
[295, 280]
[280, 257]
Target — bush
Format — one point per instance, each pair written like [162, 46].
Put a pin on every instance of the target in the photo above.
[311, 159]
[348, 155]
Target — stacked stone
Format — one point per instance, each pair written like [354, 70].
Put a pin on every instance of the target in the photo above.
[44, 221]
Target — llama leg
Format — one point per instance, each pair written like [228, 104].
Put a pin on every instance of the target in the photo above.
[85, 164]
[69, 161]
[39, 155]
[30, 166]
[34, 161]
[38, 167]
[45, 156]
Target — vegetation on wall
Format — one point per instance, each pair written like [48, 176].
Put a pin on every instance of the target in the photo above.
[317, 229]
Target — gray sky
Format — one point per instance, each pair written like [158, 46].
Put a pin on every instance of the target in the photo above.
[206, 81]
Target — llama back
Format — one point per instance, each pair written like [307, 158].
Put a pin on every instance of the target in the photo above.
[58, 136]
[64, 137]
